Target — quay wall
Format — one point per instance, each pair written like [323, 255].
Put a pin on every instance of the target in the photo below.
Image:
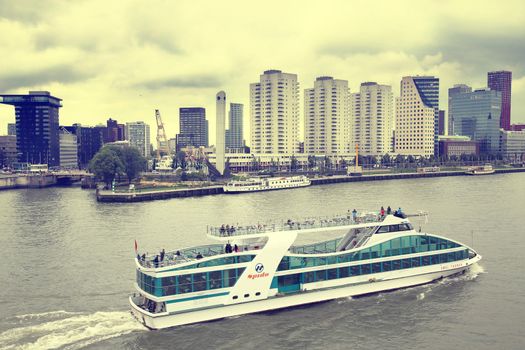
[27, 181]
[108, 196]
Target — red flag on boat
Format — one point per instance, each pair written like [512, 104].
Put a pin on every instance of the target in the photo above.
[136, 246]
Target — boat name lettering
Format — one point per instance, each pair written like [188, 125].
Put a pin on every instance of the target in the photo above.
[258, 275]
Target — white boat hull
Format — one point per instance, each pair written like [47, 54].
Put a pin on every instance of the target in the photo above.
[263, 188]
[366, 284]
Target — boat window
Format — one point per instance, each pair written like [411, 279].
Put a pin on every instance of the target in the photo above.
[320, 275]
[365, 269]
[257, 294]
[235, 297]
[383, 229]
[332, 274]
[355, 270]
[344, 272]
[246, 295]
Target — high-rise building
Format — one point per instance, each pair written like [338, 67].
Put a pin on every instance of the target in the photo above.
[138, 135]
[274, 113]
[327, 117]
[373, 119]
[234, 134]
[457, 89]
[37, 139]
[68, 149]
[8, 154]
[220, 134]
[428, 89]
[415, 121]
[114, 131]
[442, 123]
[477, 115]
[89, 141]
[502, 81]
[11, 129]
[193, 128]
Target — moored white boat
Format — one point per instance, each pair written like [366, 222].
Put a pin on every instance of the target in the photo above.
[258, 268]
[481, 170]
[266, 184]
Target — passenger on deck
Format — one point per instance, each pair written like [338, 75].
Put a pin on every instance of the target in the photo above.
[388, 210]
[382, 212]
[198, 256]
[236, 248]
[228, 248]
[156, 261]
[162, 254]
[222, 230]
[143, 257]
[177, 253]
[354, 214]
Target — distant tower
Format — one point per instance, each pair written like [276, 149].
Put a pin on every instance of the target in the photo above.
[502, 81]
[220, 131]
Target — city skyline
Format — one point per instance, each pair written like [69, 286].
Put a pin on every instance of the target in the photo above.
[157, 57]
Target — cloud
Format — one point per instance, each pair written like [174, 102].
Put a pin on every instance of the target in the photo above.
[198, 81]
[27, 11]
[62, 74]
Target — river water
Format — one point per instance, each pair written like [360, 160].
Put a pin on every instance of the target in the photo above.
[67, 268]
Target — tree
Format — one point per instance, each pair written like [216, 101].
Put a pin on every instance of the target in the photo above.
[133, 161]
[294, 163]
[180, 159]
[311, 162]
[106, 164]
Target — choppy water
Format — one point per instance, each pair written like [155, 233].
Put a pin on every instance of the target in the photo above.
[66, 269]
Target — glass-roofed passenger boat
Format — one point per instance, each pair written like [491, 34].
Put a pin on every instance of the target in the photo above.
[257, 268]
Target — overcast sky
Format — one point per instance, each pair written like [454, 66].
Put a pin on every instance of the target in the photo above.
[124, 59]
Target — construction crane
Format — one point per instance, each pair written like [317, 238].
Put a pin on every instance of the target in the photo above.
[162, 142]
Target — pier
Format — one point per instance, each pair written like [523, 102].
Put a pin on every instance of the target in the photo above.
[41, 180]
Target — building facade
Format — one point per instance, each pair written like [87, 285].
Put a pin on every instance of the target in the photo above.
[457, 146]
[274, 113]
[68, 149]
[476, 115]
[428, 89]
[512, 145]
[8, 154]
[442, 123]
[36, 127]
[373, 119]
[457, 89]
[327, 117]
[138, 135]
[11, 129]
[193, 128]
[415, 121]
[89, 141]
[114, 131]
[502, 81]
[234, 134]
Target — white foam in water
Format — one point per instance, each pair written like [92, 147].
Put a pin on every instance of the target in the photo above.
[50, 314]
[421, 296]
[70, 333]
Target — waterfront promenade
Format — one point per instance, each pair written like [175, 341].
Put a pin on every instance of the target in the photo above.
[155, 194]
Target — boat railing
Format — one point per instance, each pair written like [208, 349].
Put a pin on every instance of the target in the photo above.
[179, 256]
[291, 225]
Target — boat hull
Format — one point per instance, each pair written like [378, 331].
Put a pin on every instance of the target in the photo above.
[374, 284]
[234, 191]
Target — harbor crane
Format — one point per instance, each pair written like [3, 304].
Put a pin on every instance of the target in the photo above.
[162, 142]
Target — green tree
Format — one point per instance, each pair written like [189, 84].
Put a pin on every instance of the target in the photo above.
[294, 163]
[132, 160]
[181, 159]
[311, 162]
[106, 164]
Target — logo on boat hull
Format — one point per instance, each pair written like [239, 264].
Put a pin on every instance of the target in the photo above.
[259, 268]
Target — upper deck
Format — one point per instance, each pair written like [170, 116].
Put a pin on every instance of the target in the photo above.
[350, 219]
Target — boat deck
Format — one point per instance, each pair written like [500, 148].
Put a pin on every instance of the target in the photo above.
[291, 225]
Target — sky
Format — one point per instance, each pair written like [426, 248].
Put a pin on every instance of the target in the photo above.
[124, 59]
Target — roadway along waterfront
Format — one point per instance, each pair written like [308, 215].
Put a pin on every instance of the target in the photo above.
[68, 268]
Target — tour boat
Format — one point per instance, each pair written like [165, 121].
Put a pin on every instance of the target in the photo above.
[481, 170]
[258, 268]
[266, 184]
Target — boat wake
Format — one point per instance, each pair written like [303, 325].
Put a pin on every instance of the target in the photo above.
[67, 330]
